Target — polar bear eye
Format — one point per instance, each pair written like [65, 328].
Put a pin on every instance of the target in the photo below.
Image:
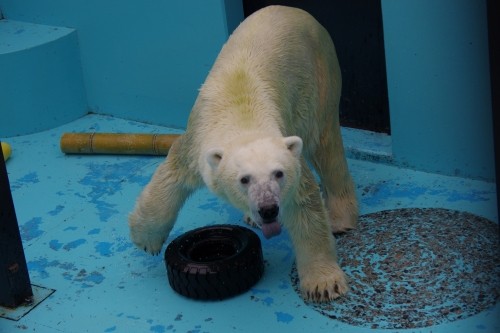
[245, 180]
[278, 174]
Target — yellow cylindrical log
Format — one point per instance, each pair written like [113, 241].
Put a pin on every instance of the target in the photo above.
[6, 150]
[113, 143]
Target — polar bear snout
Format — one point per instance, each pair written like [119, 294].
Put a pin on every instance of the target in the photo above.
[264, 198]
[264, 202]
[269, 213]
[270, 225]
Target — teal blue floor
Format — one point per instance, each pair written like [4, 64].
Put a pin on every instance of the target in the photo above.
[72, 211]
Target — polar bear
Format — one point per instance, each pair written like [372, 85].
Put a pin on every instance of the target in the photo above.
[268, 105]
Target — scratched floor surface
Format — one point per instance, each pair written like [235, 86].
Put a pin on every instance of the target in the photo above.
[72, 211]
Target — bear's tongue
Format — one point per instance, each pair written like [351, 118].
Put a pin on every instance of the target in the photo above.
[271, 229]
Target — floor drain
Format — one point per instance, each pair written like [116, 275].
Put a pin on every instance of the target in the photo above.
[412, 268]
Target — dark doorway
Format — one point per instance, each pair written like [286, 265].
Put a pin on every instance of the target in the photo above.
[357, 32]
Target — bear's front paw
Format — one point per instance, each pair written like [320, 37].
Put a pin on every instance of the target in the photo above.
[324, 284]
[146, 236]
[150, 243]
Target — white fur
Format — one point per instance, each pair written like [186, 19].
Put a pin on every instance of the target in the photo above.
[269, 103]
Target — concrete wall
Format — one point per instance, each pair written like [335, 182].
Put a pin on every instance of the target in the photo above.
[439, 85]
[41, 83]
[141, 60]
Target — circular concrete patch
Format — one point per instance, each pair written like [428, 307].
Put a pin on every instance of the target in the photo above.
[411, 268]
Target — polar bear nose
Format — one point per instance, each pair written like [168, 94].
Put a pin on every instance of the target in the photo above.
[269, 213]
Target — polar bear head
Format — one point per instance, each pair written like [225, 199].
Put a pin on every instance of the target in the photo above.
[258, 176]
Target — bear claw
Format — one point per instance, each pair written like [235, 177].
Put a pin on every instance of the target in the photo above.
[325, 296]
[328, 288]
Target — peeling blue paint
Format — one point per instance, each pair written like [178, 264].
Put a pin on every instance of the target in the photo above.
[123, 244]
[28, 179]
[104, 249]
[74, 244]
[55, 244]
[69, 272]
[67, 266]
[96, 277]
[110, 329]
[107, 249]
[31, 229]
[157, 329]
[197, 329]
[89, 280]
[94, 231]
[106, 210]
[57, 210]
[104, 181]
[283, 317]
[79, 195]
[133, 317]
[40, 266]
[268, 301]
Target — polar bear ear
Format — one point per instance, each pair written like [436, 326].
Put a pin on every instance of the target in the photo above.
[294, 144]
[214, 156]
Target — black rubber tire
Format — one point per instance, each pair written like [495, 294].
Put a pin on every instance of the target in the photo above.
[214, 262]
